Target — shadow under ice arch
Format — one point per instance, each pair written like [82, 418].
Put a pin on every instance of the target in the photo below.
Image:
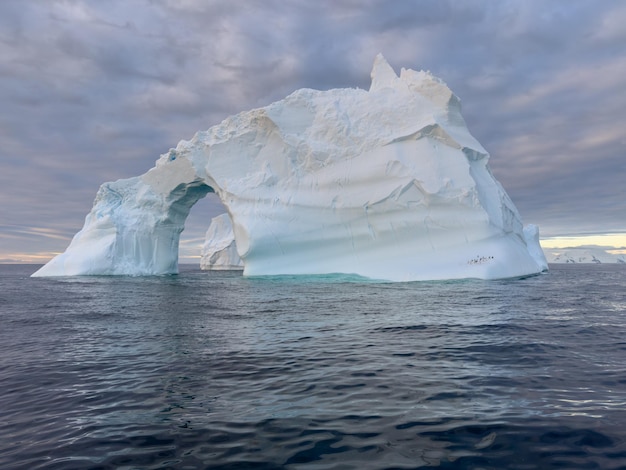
[386, 183]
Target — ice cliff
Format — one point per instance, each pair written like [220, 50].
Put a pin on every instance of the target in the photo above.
[386, 183]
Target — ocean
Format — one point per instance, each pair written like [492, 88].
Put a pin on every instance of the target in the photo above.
[212, 370]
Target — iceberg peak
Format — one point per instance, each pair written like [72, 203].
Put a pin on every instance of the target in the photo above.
[383, 75]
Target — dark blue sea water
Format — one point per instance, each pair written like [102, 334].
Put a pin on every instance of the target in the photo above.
[212, 370]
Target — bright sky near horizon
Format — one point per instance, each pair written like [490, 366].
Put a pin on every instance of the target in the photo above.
[95, 91]
[615, 242]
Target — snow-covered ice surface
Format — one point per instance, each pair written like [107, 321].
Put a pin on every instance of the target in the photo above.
[387, 184]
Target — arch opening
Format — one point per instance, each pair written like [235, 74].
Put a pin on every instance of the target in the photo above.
[195, 227]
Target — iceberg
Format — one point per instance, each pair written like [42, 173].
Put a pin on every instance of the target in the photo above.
[584, 255]
[219, 251]
[385, 183]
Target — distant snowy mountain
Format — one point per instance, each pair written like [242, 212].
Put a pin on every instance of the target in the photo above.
[583, 255]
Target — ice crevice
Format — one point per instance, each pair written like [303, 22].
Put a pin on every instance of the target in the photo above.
[386, 183]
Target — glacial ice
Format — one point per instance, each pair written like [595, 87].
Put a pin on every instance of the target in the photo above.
[387, 183]
[584, 255]
[219, 251]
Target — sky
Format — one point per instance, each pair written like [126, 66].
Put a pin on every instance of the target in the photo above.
[94, 91]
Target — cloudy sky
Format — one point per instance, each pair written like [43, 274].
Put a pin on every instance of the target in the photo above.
[94, 91]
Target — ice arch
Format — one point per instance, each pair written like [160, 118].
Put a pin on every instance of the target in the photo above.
[386, 183]
[135, 224]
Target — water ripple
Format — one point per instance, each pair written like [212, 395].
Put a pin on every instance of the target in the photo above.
[210, 370]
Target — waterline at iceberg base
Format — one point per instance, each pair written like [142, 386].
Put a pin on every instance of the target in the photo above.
[387, 184]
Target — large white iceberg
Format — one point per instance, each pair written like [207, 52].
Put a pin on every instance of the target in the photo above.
[386, 183]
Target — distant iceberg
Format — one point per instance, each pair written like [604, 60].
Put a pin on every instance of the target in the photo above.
[219, 251]
[584, 255]
[386, 184]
